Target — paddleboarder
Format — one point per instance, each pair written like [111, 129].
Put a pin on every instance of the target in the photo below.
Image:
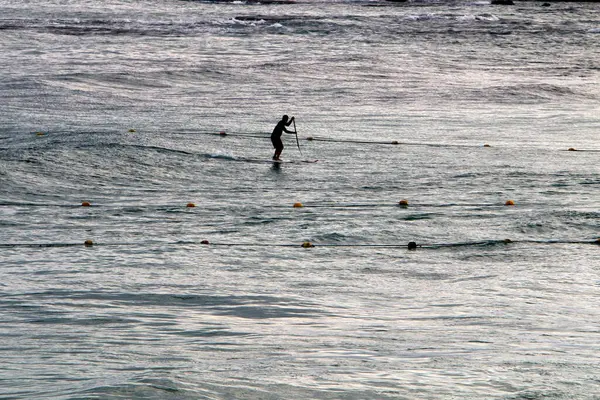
[276, 135]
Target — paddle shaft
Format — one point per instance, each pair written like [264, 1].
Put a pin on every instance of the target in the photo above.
[297, 141]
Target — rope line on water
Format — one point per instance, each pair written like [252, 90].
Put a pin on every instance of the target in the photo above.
[262, 135]
[402, 204]
[356, 141]
[327, 204]
[307, 244]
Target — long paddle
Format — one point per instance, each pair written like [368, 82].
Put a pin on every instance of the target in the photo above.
[297, 141]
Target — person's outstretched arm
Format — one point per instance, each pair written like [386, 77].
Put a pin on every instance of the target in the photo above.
[288, 124]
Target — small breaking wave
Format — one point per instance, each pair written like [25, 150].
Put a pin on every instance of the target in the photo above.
[219, 156]
[450, 17]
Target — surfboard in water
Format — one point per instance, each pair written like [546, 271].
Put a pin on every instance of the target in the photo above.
[258, 160]
[294, 161]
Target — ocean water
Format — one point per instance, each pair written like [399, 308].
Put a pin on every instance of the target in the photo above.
[456, 107]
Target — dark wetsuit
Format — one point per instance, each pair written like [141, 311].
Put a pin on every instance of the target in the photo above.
[276, 136]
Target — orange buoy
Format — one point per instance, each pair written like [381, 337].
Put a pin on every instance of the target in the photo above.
[509, 203]
[572, 149]
[39, 133]
[403, 203]
[205, 242]
[486, 145]
[85, 204]
[298, 205]
[190, 205]
[131, 130]
[395, 142]
[307, 245]
[88, 243]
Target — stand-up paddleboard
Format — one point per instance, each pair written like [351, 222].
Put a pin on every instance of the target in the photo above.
[258, 160]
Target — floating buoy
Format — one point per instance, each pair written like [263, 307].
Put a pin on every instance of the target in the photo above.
[509, 203]
[223, 133]
[395, 142]
[88, 243]
[85, 204]
[572, 149]
[507, 241]
[412, 245]
[597, 241]
[306, 245]
[39, 133]
[190, 205]
[310, 138]
[298, 205]
[131, 130]
[205, 242]
[486, 145]
[403, 203]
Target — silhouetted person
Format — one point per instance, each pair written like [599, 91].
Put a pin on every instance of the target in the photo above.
[276, 135]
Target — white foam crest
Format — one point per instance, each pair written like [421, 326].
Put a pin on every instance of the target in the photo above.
[479, 17]
[248, 22]
[422, 17]
[221, 155]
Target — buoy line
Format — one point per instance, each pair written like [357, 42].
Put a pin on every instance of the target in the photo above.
[224, 133]
[409, 245]
[307, 244]
[404, 203]
[323, 139]
[261, 135]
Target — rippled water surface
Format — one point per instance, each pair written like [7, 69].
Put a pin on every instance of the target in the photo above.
[456, 108]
